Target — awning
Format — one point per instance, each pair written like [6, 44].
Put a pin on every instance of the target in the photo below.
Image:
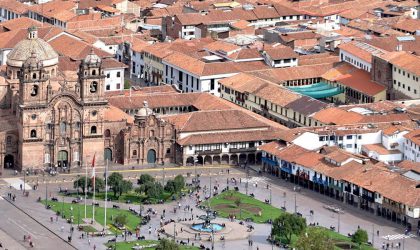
[317, 90]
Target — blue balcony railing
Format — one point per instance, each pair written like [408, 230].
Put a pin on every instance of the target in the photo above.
[269, 161]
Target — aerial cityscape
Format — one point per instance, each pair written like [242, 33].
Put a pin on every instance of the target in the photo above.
[209, 124]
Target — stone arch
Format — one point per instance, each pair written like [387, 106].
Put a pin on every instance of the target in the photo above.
[200, 160]
[107, 133]
[33, 133]
[108, 154]
[190, 161]
[216, 159]
[225, 159]
[258, 158]
[93, 130]
[243, 158]
[234, 159]
[251, 158]
[208, 160]
[9, 161]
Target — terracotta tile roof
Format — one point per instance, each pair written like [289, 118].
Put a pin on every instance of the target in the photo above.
[361, 50]
[284, 10]
[318, 59]
[14, 6]
[21, 23]
[85, 25]
[107, 8]
[409, 165]
[337, 116]
[11, 38]
[198, 67]
[280, 75]
[114, 114]
[111, 63]
[241, 24]
[410, 25]
[73, 48]
[228, 137]
[214, 120]
[199, 101]
[223, 47]
[265, 12]
[414, 136]
[162, 89]
[290, 37]
[280, 52]
[380, 149]
[306, 105]
[386, 118]
[360, 80]
[390, 43]
[407, 62]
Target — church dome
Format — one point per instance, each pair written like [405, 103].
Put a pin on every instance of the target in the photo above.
[92, 58]
[144, 111]
[32, 44]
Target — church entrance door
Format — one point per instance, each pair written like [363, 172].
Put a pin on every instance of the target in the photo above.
[108, 154]
[9, 161]
[62, 159]
[151, 156]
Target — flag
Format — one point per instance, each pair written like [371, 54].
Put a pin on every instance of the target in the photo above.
[93, 170]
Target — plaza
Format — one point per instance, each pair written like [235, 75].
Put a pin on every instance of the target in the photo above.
[34, 213]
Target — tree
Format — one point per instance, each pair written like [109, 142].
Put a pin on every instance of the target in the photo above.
[124, 187]
[315, 238]
[114, 181]
[360, 237]
[120, 220]
[144, 178]
[151, 190]
[99, 183]
[80, 183]
[288, 224]
[170, 186]
[165, 244]
[179, 182]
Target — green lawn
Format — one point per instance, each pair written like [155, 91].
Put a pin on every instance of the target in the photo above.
[133, 220]
[128, 245]
[338, 239]
[249, 207]
[133, 197]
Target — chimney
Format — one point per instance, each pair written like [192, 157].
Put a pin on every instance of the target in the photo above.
[399, 47]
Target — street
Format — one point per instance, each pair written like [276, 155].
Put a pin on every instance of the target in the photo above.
[304, 201]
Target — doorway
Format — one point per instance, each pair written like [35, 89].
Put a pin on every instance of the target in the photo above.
[151, 156]
[9, 162]
[62, 159]
[108, 154]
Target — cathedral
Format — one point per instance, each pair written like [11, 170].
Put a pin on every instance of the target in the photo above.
[48, 121]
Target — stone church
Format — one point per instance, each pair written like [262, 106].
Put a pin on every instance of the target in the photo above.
[48, 121]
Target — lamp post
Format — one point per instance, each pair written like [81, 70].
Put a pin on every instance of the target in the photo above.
[163, 176]
[24, 181]
[78, 207]
[295, 204]
[338, 224]
[174, 230]
[46, 192]
[247, 178]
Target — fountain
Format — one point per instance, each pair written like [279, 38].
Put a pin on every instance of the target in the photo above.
[207, 226]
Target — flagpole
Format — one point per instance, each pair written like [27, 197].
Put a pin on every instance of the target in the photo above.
[106, 190]
[86, 180]
[94, 189]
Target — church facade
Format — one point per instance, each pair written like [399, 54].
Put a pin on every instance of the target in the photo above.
[55, 123]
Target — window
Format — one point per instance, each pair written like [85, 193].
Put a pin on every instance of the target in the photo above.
[168, 151]
[108, 87]
[180, 76]
[33, 133]
[34, 90]
[212, 84]
[118, 74]
[93, 87]
[152, 133]
[62, 127]
[134, 152]
[93, 72]
[34, 76]
[93, 130]
[118, 86]
[349, 137]
[349, 145]
[33, 116]
[108, 75]
[107, 133]
[359, 137]
[9, 140]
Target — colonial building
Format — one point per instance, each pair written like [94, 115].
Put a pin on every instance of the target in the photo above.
[53, 117]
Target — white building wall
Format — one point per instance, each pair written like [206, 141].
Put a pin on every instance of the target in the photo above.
[114, 79]
[406, 82]
[355, 61]
[411, 151]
